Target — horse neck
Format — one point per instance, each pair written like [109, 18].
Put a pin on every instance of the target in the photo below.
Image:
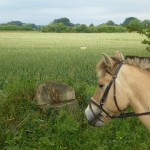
[138, 85]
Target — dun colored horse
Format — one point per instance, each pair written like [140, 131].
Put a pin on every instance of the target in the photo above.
[121, 83]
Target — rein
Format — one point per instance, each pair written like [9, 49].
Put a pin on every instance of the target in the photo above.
[104, 98]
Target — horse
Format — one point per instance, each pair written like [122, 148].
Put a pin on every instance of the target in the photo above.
[122, 82]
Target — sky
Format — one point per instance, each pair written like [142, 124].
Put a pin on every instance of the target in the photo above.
[42, 12]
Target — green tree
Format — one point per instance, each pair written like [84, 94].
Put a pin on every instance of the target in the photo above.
[53, 27]
[110, 23]
[147, 41]
[18, 23]
[142, 28]
[64, 20]
[110, 29]
[26, 27]
[128, 20]
[82, 28]
[33, 26]
[146, 23]
[91, 25]
[135, 25]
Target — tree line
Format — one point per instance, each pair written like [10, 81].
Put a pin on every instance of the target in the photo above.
[63, 25]
[19, 26]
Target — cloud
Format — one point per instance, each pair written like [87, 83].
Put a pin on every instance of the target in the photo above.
[79, 11]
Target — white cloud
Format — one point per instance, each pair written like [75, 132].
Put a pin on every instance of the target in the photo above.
[79, 11]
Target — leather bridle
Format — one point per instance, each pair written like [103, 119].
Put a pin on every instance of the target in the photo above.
[104, 98]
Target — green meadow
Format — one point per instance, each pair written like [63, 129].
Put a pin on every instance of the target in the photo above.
[29, 58]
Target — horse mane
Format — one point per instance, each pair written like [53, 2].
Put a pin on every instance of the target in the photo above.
[141, 62]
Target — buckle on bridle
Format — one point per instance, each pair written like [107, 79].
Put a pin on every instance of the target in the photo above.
[101, 103]
[114, 76]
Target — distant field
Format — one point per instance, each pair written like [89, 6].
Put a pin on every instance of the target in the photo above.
[28, 58]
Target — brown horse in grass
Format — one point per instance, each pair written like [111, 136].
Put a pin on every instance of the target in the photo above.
[121, 83]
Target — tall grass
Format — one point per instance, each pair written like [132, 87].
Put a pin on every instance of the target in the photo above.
[27, 59]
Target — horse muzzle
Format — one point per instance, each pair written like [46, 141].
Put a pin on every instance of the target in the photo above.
[91, 118]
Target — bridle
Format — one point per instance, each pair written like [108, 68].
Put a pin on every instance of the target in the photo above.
[122, 114]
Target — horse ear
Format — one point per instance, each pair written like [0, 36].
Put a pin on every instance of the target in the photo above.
[108, 61]
[119, 56]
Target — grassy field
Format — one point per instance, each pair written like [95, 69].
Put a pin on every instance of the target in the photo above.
[28, 58]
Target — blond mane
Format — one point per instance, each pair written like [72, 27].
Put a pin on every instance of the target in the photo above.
[141, 62]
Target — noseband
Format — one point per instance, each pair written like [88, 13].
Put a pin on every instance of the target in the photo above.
[104, 98]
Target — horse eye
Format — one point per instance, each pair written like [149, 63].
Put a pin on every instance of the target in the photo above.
[100, 85]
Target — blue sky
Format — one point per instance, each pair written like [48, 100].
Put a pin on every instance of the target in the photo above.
[78, 11]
